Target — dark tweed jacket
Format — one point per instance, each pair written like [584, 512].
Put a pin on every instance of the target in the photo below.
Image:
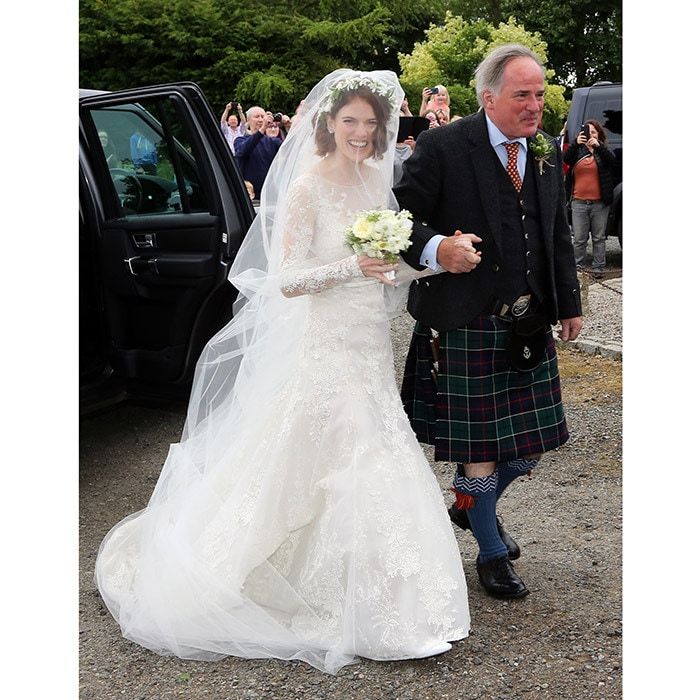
[450, 182]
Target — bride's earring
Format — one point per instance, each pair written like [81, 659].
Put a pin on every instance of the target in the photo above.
[331, 130]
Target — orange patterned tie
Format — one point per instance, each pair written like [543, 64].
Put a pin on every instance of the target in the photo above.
[512, 165]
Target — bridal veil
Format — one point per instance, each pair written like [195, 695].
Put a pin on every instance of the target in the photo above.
[275, 528]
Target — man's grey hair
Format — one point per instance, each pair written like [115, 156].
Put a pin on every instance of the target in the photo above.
[489, 73]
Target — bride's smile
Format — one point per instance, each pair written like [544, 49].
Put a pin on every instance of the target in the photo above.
[353, 128]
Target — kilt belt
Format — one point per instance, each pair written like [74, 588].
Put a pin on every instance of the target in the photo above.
[462, 396]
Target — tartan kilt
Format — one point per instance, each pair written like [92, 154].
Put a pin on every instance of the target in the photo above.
[479, 409]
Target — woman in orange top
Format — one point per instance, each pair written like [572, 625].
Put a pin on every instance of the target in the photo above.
[590, 181]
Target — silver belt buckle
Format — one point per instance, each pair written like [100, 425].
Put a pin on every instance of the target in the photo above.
[520, 305]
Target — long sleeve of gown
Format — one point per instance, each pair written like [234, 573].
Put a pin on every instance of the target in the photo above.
[301, 271]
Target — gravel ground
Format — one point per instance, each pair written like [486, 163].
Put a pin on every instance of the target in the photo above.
[602, 301]
[602, 305]
[562, 641]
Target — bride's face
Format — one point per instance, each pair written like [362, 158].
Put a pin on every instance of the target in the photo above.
[355, 127]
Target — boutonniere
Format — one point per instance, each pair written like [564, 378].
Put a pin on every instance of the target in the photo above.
[541, 148]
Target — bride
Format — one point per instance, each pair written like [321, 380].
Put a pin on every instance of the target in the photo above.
[298, 517]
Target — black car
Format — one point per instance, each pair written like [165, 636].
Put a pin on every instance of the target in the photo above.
[163, 212]
[601, 101]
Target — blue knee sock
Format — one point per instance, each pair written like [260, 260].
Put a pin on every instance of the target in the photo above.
[478, 496]
[508, 472]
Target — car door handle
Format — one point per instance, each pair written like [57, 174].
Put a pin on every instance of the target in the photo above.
[144, 240]
[181, 265]
[137, 265]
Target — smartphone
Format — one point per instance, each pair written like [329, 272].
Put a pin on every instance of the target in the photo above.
[586, 128]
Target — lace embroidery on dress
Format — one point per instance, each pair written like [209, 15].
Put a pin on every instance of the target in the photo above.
[301, 272]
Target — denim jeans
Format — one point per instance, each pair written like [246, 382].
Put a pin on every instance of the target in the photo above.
[589, 217]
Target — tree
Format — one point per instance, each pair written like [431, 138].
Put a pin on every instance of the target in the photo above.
[249, 50]
[273, 53]
[452, 51]
[584, 37]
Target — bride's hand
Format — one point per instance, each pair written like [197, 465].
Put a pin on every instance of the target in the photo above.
[377, 268]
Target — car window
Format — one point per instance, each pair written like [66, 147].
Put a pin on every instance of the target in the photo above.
[607, 109]
[147, 148]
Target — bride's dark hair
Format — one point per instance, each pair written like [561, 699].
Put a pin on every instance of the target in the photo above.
[325, 143]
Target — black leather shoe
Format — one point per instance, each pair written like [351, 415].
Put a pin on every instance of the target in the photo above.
[499, 579]
[461, 519]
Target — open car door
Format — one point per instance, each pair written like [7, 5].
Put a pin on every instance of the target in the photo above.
[163, 213]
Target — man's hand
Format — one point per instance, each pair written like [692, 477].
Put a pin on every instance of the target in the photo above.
[457, 253]
[570, 327]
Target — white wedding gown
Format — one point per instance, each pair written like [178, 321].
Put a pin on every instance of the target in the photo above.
[322, 533]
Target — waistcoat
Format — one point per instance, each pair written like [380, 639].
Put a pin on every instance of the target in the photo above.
[522, 269]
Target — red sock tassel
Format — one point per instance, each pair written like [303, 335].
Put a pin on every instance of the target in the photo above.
[463, 501]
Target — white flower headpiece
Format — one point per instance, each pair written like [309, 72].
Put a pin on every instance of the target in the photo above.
[340, 87]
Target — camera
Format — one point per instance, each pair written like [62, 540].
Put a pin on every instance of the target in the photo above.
[586, 128]
[277, 117]
[434, 91]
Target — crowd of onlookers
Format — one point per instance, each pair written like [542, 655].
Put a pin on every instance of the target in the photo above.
[255, 135]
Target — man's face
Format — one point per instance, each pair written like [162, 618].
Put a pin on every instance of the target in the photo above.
[256, 118]
[516, 110]
[233, 121]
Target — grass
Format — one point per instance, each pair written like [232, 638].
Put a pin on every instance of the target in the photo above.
[588, 378]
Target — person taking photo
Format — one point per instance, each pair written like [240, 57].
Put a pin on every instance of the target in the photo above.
[590, 182]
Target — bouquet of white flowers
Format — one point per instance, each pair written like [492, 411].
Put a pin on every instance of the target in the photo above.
[381, 233]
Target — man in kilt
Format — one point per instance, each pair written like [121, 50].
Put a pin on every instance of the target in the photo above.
[481, 382]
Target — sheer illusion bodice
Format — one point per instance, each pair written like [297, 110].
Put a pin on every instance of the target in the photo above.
[320, 533]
